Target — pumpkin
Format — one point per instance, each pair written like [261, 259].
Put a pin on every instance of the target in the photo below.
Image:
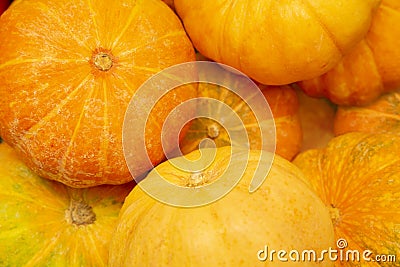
[170, 3]
[282, 101]
[68, 70]
[370, 69]
[357, 176]
[316, 119]
[45, 223]
[283, 213]
[276, 42]
[381, 116]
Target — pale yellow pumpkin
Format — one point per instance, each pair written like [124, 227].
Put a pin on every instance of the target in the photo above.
[283, 213]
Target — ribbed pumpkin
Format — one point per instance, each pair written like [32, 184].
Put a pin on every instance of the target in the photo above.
[381, 116]
[45, 223]
[283, 213]
[276, 42]
[370, 69]
[68, 70]
[284, 106]
[357, 176]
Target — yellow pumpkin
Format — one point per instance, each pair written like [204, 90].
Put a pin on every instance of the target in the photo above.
[370, 69]
[45, 223]
[276, 42]
[357, 176]
[283, 213]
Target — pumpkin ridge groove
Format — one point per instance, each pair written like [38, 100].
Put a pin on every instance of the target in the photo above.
[322, 25]
[54, 111]
[93, 15]
[133, 13]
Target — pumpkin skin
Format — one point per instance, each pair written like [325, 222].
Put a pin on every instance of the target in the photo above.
[370, 69]
[284, 106]
[68, 70]
[282, 213]
[45, 223]
[358, 177]
[381, 116]
[276, 42]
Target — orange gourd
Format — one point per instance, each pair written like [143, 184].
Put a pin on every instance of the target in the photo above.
[45, 223]
[68, 70]
[381, 116]
[276, 42]
[283, 213]
[357, 176]
[370, 69]
[284, 106]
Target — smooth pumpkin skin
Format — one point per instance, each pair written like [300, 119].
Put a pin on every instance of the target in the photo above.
[276, 42]
[357, 175]
[381, 116]
[370, 69]
[283, 104]
[36, 226]
[283, 213]
[63, 101]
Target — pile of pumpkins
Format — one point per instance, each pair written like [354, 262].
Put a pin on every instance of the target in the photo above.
[328, 69]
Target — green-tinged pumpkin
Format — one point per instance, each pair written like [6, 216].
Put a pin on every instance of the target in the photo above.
[45, 223]
[283, 213]
[357, 176]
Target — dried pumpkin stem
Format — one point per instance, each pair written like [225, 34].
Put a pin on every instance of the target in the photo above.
[213, 130]
[103, 61]
[196, 179]
[80, 213]
[335, 214]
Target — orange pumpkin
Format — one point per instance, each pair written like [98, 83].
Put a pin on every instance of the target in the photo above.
[45, 223]
[357, 176]
[283, 103]
[283, 213]
[170, 3]
[381, 116]
[68, 70]
[276, 42]
[370, 69]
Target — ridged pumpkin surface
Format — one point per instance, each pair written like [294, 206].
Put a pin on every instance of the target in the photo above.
[276, 42]
[283, 213]
[357, 176]
[68, 70]
[45, 223]
[370, 69]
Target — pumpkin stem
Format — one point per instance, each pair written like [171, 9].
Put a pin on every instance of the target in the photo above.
[335, 214]
[213, 130]
[196, 179]
[103, 61]
[80, 213]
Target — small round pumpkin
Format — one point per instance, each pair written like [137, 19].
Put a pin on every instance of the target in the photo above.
[68, 70]
[284, 106]
[381, 116]
[276, 42]
[357, 176]
[283, 213]
[370, 69]
[45, 223]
